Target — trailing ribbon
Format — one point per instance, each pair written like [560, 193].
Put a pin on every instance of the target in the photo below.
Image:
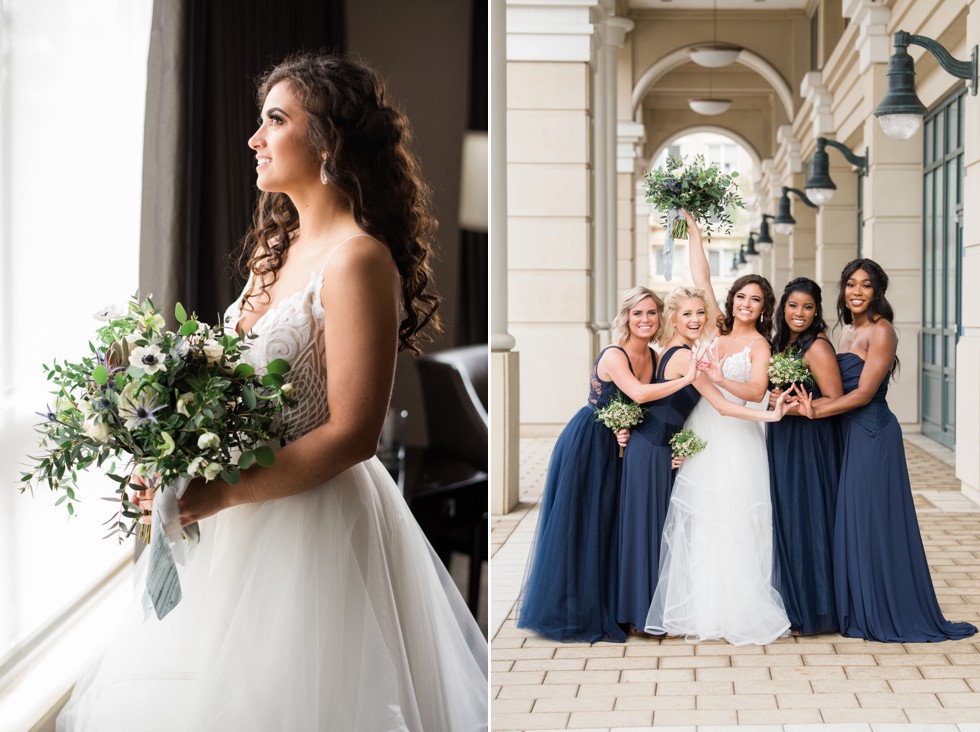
[672, 216]
[169, 544]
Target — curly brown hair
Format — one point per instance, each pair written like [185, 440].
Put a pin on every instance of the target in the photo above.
[764, 323]
[370, 161]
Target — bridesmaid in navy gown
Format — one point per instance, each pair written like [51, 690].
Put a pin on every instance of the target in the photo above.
[569, 591]
[648, 468]
[884, 590]
[804, 467]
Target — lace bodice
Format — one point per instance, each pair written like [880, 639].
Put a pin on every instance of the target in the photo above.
[737, 367]
[292, 329]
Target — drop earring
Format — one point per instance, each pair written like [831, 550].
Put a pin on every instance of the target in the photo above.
[324, 174]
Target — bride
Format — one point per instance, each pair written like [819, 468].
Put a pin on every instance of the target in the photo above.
[313, 601]
[716, 551]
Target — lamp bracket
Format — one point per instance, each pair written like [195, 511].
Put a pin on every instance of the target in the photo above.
[801, 195]
[960, 69]
[861, 161]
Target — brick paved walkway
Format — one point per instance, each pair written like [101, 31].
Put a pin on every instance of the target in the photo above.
[823, 682]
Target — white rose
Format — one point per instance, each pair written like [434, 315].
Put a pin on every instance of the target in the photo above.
[213, 350]
[96, 430]
[212, 471]
[208, 441]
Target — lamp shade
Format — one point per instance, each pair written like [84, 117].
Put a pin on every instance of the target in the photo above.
[714, 56]
[473, 206]
[819, 187]
[783, 220]
[900, 112]
[764, 241]
[709, 107]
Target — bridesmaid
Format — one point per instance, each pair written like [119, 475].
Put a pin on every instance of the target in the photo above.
[882, 582]
[804, 466]
[569, 590]
[648, 473]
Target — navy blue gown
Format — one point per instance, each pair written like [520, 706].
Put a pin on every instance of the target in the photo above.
[569, 591]
[884, 590]
[645, 495]
[804, 469]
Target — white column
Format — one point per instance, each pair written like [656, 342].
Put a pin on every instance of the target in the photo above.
[602, 319]
[504, 365]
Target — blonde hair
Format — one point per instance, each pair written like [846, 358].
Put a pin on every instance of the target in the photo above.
[674, 299]
[632, 298]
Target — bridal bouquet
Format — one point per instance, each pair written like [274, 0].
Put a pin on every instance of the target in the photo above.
[686, 444]
[620, 414]
[170, 405]
[702, 189]
[789, 368]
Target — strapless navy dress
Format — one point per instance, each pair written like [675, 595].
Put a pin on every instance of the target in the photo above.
[804, 469]
[569, 591]
[645, 496]
[884, 590]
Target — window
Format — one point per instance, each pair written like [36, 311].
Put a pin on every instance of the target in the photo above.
[724, 155]
[72, 102]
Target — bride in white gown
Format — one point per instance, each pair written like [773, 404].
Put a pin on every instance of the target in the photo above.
[716, 552]
[313, 601]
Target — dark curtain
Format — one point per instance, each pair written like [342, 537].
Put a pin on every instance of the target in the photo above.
[199, 174]
[472, 324]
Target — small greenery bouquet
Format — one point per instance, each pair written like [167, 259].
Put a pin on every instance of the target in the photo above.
[620, 414]
[171, 405]
[789, 368]
[686, 444]
[702, 189]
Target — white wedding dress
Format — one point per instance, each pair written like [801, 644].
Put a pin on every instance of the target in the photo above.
[716, 551]
[326, 610]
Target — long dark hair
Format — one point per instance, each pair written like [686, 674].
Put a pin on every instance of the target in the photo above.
[764, 323]
[783, 332]
[370, 161]
[879, 307]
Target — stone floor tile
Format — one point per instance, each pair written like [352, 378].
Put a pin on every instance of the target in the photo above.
[871, 648]
[727, 649]
[767, 660]
[737, 702]
[670, 674]
[656, 649]
[886, 672]
[816, 701]
[694, 716]
[838, 727]
[535, 691]
[809, 672]
[742, 728]
[870, 716]
[954, 700]
[732, 674]
[590, 652]
[782, 686]
[550, 664]
[930, 686]
[643, 662]
[628, 689]
[576, 704]
[779, 716]
[919, 728]
[581, 677]
[697, 688]
[950, 672]
[593, 719]
[801, 648]
[850, 686]
[652, 703]
[949, 716]
[840, 659]
[964, 659]
[520, 654]
[699, 661]
[519, 677]
[905, 701]
[912, 659]
[497, 666]
[512, 706]
[556, 720]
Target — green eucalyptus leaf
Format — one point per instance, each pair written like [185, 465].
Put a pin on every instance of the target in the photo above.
[246, 460]
[278, 366]
[264, 456]
[189, 328]
[180, 313]
[100, 375]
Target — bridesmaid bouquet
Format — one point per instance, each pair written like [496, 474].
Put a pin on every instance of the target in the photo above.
[620, 414]
[702, 189]
[686, 444]
[789, 368]
[170, 405]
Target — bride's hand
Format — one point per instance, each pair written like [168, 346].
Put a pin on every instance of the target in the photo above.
[714, 367]
[804, 403]
[201, 500]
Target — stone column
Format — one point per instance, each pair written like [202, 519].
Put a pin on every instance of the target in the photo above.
[550, 206]
[630, 136]
[504, 361]
[968, 347]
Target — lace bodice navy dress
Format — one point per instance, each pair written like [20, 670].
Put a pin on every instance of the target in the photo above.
[715, 578]
[644, 496]
[804, 468]
[884, 589]
[325, 610]
[569, 591]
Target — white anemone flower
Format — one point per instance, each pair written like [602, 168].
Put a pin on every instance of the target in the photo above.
[149, 358]
[109, 313]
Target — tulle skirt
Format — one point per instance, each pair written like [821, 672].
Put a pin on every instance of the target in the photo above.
[716, 553]
[327, 610]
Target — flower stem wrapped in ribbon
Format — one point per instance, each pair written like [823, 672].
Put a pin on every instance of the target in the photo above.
[171, 406]
[706, 192]
[620, 414]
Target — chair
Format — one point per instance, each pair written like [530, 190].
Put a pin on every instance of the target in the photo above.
[454, 514]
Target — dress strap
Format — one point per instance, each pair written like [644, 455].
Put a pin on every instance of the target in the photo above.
[666, 357]
[350, 238]
[629, 363]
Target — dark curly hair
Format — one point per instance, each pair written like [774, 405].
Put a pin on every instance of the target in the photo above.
[879, 307]
[783, 331]
[764, 323]
[370, 161]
